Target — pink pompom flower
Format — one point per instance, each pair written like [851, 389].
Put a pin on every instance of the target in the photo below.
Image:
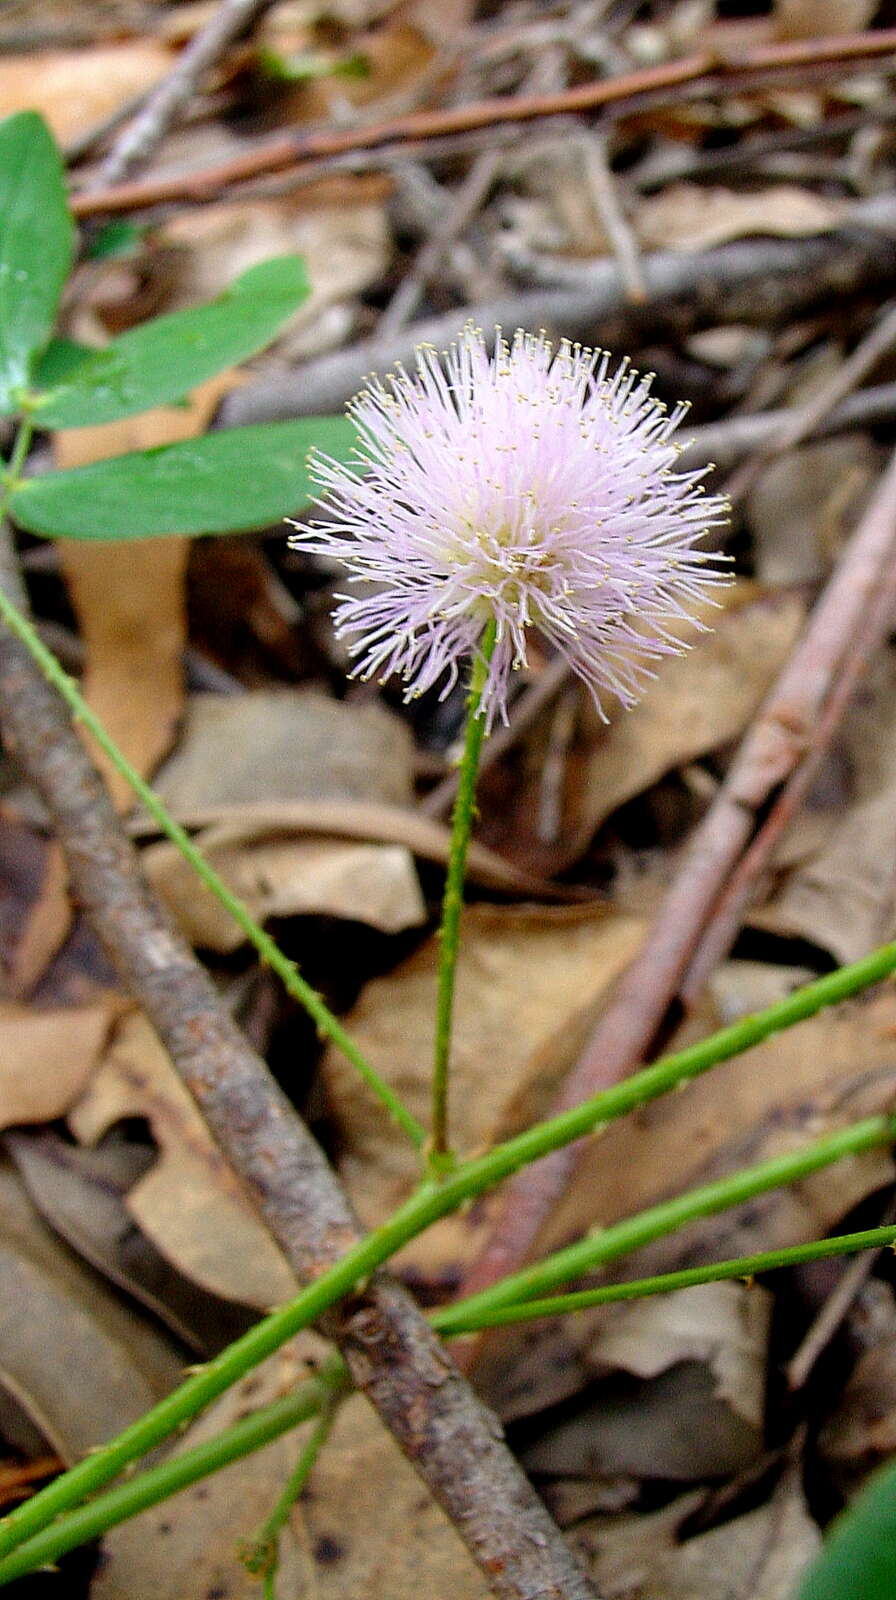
[534, 487]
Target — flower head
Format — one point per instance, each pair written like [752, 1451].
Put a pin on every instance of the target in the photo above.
[534, 487]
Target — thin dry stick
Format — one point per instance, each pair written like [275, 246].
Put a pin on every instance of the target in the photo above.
[173, 94]
[536, 695]
[751, 280]
[807, 418]
[464, 205]
[723, 925]
[832, 1313]
[703, 73]
[620, 234]
[774, 746]
[393, 1355]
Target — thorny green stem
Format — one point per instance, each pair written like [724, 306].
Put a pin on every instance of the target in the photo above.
[261, 1554]
[327, 1024]
[440, 1155]
[324, 1393]
[746, 1267]
[432, 1200]
[312, 1398]
[620, 1239]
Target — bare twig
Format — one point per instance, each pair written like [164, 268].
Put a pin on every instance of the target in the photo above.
[852, 1279]
[700, 74]
[452, 1440]
[620, 234]
[805, 419]
[752, 280]
[169, 99]
[464, 206]
[774, 747]
[725, 443]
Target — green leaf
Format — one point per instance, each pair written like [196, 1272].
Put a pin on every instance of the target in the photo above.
[59, 361]
[36, 243]
[225, 482]
[163, 360]
[115, 240]
[858, 1561]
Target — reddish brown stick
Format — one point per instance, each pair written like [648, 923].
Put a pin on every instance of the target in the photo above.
[774, 748]
[295, 149]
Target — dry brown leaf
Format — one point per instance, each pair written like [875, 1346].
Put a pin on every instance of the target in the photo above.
[698, 702]
[186, 1548]
[75, 89]
[81, 1193]
[724, 1325]
[346, 247]
[691, 216]
[129, 598]
[295, 744]
[697, 1412]
[35, 911]
[52, 1311]
[860, 1433]
[370, 883]
[831, 1070]
[529, 986]
[286, 744]
[843, 897]
[373, 1531]
[803, 504]
[190, 1203]
[47, 1057]
[811, 19]
[236, 825]
[759, 1556]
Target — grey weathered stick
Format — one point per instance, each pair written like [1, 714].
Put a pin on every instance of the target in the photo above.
[752, 280]
[452, 1440]
[166, 102]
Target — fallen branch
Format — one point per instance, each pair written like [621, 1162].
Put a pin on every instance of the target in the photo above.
[764, 281]
[394, 1357]
[704, 73]
[775, 748]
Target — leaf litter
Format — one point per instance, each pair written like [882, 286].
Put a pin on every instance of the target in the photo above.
[636, 1421]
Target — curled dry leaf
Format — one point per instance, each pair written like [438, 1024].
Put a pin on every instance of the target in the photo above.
[691, 216]
[52, 1309]
[697, 1412]
[190, 1203]
[755, 1557]
[273, 744]
[82, 1194]
[860, 1433]
[529, 985]
[828, 1072]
